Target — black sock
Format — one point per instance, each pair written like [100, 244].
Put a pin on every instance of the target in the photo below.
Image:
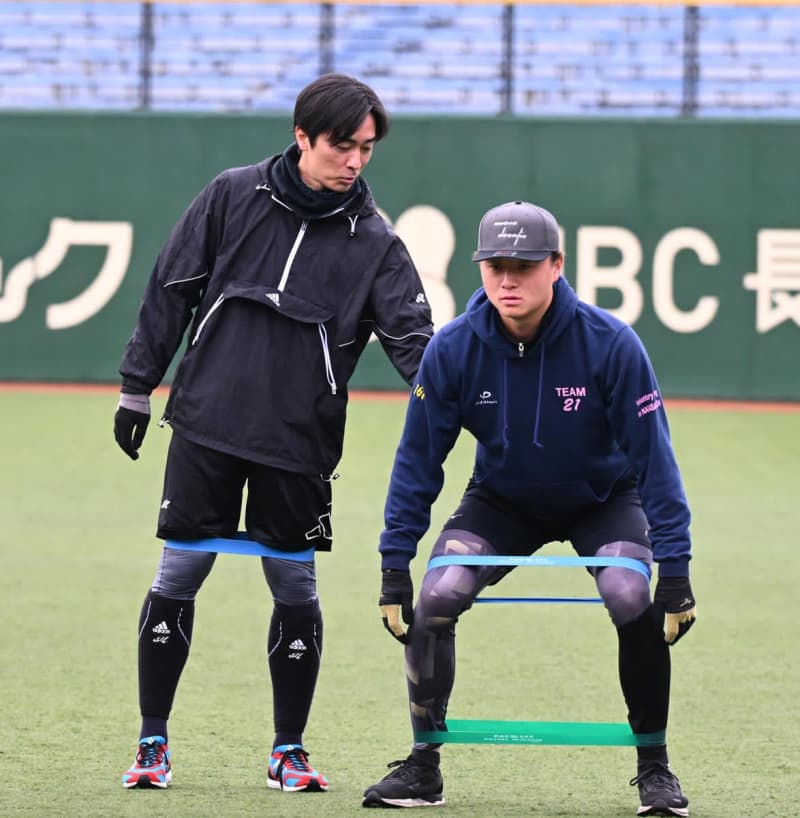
[154, 726]
[644, 673]
[165, 634]
[647, 756]
[295, 647]
[429, 758]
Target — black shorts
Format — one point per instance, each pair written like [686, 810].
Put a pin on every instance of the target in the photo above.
[204, 489]
[513, 529]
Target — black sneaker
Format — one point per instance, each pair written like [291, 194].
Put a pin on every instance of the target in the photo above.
[660, 792]
[414, 782]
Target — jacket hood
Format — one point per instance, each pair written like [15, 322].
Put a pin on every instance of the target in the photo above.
[486, 324]
[281, 176]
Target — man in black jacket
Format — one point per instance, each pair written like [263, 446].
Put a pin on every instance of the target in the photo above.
[283, 269]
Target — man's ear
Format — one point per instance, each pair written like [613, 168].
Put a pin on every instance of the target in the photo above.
[302, 139]
[558, 267]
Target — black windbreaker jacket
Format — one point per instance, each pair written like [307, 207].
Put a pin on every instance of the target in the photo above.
[281, 307]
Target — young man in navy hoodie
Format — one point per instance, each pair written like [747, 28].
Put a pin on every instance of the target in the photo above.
[572, 444]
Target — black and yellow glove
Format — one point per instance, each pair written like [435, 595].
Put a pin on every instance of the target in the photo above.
[675, 606]
[396, 600]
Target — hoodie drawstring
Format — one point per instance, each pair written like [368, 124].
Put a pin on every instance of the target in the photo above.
[536, 441]
[506, 441]
[506, 434]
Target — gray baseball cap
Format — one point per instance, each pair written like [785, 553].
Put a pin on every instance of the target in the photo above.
[517, 230]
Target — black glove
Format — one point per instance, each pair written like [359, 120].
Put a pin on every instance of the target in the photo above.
[397, 595]
[675, 606]
[130, 422]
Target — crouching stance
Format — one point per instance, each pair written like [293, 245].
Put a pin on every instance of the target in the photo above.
[572, 445]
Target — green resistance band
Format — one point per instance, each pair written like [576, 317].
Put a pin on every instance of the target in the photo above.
[474, 731]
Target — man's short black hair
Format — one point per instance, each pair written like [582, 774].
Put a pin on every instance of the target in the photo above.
[337, 104]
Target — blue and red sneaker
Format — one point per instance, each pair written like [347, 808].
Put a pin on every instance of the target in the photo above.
[289, 770]
[152, 766]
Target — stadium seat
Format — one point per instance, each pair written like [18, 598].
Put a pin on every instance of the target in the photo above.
[582, 59]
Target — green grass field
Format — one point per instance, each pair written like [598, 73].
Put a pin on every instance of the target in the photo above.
[78, 553]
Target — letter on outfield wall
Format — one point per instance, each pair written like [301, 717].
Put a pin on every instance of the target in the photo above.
[682, 238]
[591, 277]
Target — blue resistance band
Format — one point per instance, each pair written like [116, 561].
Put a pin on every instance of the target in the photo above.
[241, 544]
[472, 559]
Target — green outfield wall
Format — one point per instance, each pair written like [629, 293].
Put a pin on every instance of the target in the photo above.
[688, 230]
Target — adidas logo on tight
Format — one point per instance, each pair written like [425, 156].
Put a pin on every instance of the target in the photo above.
[161, 628]
[298, 644]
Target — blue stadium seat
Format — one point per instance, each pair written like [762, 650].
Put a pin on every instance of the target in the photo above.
[583, 59]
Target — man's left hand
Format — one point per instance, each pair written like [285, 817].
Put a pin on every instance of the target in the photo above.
[674, 603]
[130, 422]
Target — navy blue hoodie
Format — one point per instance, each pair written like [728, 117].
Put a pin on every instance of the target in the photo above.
[558, 423]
